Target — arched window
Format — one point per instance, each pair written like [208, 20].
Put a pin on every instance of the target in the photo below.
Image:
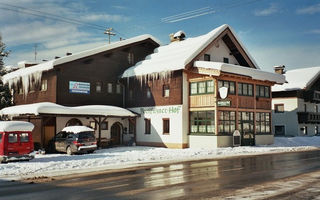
[74, 122]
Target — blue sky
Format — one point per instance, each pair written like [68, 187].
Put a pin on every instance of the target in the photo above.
[283, 32]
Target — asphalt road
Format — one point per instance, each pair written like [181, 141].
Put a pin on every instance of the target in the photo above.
[187, 180]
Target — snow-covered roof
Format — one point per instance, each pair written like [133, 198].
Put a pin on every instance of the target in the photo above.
[76, 129]
[8, 126]
[52, 108]
[256, 74]
[298, 79]
[176, 55]
[36, 71]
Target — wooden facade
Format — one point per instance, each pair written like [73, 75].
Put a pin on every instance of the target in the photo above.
[103, 68]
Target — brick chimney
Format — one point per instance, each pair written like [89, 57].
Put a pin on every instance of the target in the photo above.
[280, 69]
[178, 36]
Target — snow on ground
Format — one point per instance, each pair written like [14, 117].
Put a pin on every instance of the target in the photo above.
[122, 157]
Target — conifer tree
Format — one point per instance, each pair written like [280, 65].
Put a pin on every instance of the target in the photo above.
[5, 94]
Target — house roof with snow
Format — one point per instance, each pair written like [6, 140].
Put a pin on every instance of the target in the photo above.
[298, 79]
[15, 126]
[55, 109]
[256, 74]
[37, 70]
[178, 55]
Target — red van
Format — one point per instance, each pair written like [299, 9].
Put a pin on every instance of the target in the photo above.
[15, 141]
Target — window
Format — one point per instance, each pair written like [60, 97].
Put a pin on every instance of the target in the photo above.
[226, 60]
[147, 126]
[118, 89]
[316, 108]
[207, 57]
[227, 122]
[304, 130]
[166, 91]
[229, 84]
[104, 125]
[74, 122]
[263, 123]
[130, 94]
[24, 137]
[148, 93]
[316, 131]
[245, 89]
[203, 87]
[245, 122]
[98, 86]
[202, 122]
[305, 107]
[44, 85]
[13, 137]
[110, 88]
[279, 130]
[131, 58]
[166, 126]
[279, 108]
[0, 138]
[93, 125]
[263, 91]
[131, 128]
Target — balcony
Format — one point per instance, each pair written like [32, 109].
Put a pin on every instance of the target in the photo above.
[308, 117]
[312, 96]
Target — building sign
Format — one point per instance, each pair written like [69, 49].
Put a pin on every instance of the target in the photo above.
[79, 87]
[166, 110]
[224, 103]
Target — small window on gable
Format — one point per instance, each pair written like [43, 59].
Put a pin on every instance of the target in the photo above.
[118, 89]
[207, 57]
[130, 94]
[44, 85]
[226, 60]
[98, 86]
[166, 90]
[131, 58]
[110, 88]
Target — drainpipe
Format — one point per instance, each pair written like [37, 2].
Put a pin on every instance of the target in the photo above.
[99, 139]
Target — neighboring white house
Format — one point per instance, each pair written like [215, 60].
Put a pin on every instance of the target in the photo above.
[296, 103]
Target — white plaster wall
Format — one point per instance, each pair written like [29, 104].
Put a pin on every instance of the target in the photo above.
[218, 52]
[156, 114]
[264, 139]
[201, 141]
[210, 142]
[289, 118]
[62, 121]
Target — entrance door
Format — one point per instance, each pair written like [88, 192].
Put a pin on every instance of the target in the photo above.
[115, 133]
[48, 134]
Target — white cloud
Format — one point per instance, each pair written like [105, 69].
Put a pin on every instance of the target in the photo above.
[268, 11]
[53, 37]
[309, 10]
[105, 17]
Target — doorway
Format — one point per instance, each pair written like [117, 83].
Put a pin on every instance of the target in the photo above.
[115, 133]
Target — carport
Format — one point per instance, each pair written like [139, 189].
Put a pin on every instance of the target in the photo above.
[46, 117]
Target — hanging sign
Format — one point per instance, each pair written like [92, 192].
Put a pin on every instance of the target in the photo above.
[223, 91]
[79, 87]
[224, 103]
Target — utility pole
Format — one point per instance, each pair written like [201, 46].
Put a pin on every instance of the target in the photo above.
[35, 52]
[109, 33]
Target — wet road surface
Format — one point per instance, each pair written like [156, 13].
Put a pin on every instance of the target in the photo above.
[186, 180]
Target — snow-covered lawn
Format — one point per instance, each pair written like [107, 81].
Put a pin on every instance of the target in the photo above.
[121, 157]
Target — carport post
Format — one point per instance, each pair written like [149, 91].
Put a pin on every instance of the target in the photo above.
[99, 139]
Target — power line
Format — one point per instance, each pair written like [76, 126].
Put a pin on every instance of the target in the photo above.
[51, 16]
